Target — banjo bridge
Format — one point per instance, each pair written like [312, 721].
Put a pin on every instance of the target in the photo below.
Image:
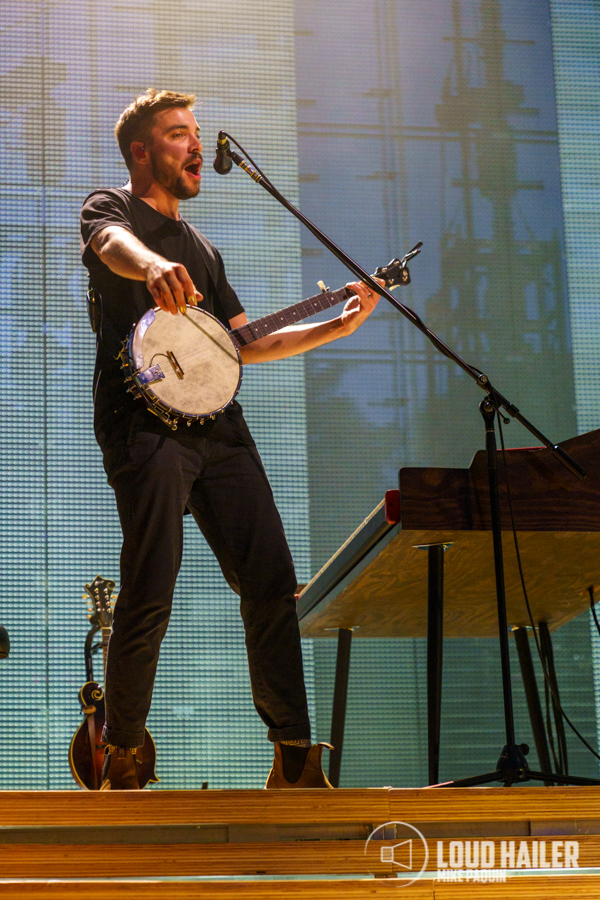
[176, 367]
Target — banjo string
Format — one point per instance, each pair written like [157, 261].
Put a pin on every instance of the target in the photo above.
[201, 352]
[211, 338]
[197, 354]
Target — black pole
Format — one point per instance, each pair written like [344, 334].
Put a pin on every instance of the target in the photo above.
[488, 412]
[533, 699]
[435, 646]
[340, 696]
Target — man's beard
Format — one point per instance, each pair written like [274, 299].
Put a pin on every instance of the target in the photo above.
[175, 184]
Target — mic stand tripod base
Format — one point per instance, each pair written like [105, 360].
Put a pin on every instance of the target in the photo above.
[513, 769]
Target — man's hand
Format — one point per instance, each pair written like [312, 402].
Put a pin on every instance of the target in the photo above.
[170, 285]
[296, 339]
[359, 307]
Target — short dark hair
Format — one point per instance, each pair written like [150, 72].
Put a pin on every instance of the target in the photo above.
[135, 122]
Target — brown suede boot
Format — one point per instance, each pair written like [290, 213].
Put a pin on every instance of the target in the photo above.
[120, 770]
[312, 775]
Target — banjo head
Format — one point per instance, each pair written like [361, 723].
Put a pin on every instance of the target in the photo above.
[194, 352]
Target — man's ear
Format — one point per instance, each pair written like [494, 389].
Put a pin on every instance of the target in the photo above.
[138, 151]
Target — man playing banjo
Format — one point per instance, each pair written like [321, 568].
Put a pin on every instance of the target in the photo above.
[140, 254]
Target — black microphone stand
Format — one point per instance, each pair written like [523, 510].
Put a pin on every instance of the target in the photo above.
[512, 766]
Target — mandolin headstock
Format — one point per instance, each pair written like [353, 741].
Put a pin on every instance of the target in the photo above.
[100, 592]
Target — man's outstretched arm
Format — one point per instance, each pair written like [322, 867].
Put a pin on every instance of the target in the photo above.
[168, 282]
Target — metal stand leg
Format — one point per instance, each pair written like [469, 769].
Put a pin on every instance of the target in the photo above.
[435, 635]
[340, 695]
[560, 751]
[533, 699]
[435, 645]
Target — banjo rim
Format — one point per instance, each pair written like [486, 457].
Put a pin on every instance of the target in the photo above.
[170, 414]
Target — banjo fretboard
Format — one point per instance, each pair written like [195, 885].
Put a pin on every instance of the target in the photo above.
[288, 316]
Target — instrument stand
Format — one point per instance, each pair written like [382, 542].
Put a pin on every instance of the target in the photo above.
[512, 766]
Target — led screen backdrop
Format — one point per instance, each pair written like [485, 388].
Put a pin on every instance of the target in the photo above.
[576, 38]
[445, 131]
[389, 121]
[68, 69]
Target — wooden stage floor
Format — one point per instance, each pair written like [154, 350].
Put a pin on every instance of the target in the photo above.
[526, 842]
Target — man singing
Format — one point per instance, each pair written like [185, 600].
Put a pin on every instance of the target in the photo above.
[140, 254]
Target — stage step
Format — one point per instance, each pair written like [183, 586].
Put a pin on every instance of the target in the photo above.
[180, 844]
[260, 807]
[526, 888]
[338, 889]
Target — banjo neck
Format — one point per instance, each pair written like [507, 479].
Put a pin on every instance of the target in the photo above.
[289, 316]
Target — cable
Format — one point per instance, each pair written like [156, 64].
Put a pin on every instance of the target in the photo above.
[593, 607]
[546, 645]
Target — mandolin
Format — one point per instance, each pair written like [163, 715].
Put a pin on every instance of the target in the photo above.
[86, 753]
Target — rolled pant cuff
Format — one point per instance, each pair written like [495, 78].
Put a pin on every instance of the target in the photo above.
[293, 733]
[129, 739]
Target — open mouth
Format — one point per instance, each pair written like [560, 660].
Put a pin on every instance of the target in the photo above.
[193, 168]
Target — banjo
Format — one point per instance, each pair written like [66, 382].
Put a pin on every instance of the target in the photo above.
[187, 368]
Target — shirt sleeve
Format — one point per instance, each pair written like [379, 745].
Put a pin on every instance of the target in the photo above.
[100, 209]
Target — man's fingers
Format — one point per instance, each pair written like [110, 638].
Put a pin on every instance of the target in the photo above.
[365, 293]
[158, 298]
[176, 290]
[195, 298]
[187, 287]
[172, 288]
[362, 291]
[163, 295]
[368, 290]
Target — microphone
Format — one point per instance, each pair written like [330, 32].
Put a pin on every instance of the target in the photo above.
[222, 164]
